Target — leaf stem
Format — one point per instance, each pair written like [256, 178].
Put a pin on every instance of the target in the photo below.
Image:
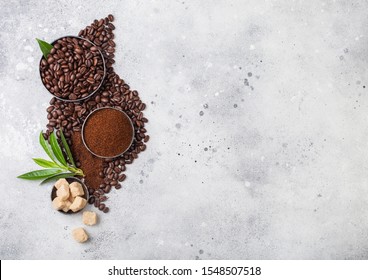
[77, 171]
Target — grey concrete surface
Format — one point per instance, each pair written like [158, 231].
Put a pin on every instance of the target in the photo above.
[258, 123]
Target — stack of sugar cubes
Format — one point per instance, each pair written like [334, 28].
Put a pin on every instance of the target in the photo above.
[69, 196]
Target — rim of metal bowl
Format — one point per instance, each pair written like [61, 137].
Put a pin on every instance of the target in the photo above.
[111, 108]
[92, 93]
[85, 189]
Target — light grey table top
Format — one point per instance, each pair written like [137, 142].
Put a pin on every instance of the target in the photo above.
[258, 124]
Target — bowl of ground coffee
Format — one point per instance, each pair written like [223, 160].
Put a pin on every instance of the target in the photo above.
[107, 132]
[74, 69]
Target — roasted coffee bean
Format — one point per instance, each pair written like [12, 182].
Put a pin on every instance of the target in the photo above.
[107, 189]
[99, 192]
[87, 44]
[121, 177]
[109, 171]
[91, 191]
[101, 206]
[97, 203]
[106, 209]
[91, 200]
[117, 169]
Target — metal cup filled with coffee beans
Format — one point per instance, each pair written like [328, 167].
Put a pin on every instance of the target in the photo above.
[73, 69]
[107, 132]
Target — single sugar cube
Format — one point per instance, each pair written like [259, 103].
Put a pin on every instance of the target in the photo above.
[63, 192]
[78, 204]
[80, 235]
[66, 206]
[76, 189]
[58, 203]
[61, 182]
[89, 218]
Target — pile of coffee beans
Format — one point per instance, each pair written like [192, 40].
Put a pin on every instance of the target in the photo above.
[73, 69]
[115, 93]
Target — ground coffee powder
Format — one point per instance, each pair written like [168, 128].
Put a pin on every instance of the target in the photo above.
[92, 165]
[108, 132]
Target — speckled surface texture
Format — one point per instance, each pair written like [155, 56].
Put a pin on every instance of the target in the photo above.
[258, 124]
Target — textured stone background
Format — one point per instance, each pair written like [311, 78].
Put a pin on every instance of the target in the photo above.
[258, 124]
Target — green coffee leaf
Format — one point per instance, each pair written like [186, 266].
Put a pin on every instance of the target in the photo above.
[67, 149]
[45, 163]
[40, 174]
[45, 47]
[56, 149]
[47, 148]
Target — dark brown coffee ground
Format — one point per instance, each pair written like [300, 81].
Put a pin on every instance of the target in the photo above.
[108, 132]
[92, 165]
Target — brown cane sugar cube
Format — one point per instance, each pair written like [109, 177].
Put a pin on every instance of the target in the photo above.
[57, 203]
[80, 235]
[76, 189]
[78, 204]
[66, 206]
[61, 182]
[89, 218]
[63, 192]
